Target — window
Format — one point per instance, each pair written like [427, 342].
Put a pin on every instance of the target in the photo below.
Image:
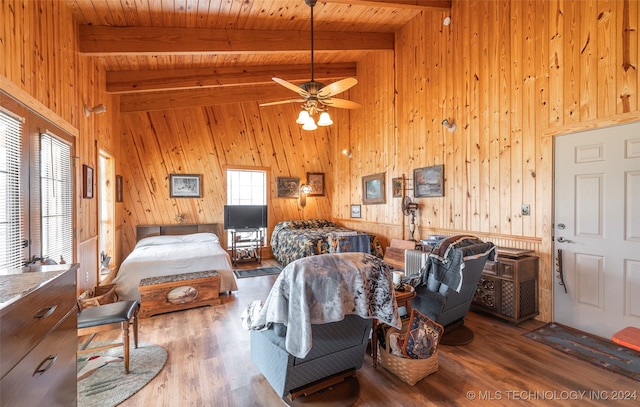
[56, 199]
[246, 187]
[12, 217]
[36, 188]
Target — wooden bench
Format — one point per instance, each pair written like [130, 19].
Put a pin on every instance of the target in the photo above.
[178, 292]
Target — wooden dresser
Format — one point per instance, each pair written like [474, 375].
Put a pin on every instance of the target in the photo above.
[38, 315]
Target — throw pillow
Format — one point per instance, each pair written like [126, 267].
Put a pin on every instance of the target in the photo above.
[422, 337]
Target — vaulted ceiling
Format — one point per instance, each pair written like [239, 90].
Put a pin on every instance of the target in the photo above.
[161, 52]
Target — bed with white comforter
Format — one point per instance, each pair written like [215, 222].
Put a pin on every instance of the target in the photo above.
[170, 254]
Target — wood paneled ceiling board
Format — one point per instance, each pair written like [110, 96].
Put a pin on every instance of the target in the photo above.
[166, 38]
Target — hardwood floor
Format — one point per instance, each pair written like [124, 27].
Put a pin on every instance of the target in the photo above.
[209, 365]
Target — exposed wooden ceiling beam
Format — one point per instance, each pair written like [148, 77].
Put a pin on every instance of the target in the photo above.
[398, 3]
[148, 101]
[156, 80]
[106, 40]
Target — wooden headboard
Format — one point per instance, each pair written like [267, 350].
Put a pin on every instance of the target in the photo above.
[143, 231]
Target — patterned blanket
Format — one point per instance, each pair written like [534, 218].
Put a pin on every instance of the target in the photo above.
[322, 289]
[446, 260]
[295, 239]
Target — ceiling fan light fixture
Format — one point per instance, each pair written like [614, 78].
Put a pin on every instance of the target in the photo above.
[325, 119]
[302, 117]
[309, 124]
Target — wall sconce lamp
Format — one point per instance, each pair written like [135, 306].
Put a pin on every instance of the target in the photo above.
[347, 153]
[449, 125]
[96, 109]
[304, 190]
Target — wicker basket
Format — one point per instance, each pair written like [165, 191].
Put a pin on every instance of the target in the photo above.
[410, 371]
[100, 295]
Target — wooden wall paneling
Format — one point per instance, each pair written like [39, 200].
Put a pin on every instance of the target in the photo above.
[534, 93]
[474, 154]
[541, 120]
[513, 223]
[487, 58]
[588, 43]
[605, 50]
[87, 277]
[627, 51]
[555, 38]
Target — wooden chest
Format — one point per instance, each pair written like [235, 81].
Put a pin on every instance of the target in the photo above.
[178, 292]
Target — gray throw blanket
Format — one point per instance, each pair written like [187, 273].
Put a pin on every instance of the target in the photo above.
[322, 289]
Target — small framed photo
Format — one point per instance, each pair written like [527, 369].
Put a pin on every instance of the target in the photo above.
[287, 187]
[396, 187]
[373, 189]
[428, 181]
[316, 180]
[87, 182]
[355, 211]
[118, 188]
[185, 185]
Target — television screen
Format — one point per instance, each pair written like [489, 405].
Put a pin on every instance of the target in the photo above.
[245, 216]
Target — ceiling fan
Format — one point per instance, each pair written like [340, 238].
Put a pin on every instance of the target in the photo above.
[315, 96]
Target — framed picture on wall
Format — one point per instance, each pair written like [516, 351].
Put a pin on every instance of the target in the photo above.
[185, 185]
[356, 211]
[87, 182]
[428, 181]
[373, 189]
[287, 187]
[118, 188]
[396, 187]
[316, 180]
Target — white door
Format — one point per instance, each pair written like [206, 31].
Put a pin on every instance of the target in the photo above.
[597, 227]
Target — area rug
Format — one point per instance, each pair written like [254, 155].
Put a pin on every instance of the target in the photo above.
[106, 385]
[600, 352]
[262, 271]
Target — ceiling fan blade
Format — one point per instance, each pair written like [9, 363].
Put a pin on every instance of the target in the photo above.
[341, 103]
[337, 87]
[280, 102]
[292, 87]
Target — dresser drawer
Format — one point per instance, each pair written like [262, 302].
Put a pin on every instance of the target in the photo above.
[26, 322]
[55, 356]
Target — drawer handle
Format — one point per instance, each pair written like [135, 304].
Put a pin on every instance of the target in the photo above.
[45, 312]
[50, 361]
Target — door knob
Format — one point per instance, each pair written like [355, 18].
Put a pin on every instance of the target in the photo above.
[563, 240]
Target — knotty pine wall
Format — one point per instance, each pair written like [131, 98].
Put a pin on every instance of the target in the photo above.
[511, 75]
[40, 66]
[209, 140]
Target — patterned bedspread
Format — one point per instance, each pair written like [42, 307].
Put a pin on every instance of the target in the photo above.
[323, 289]
[295, 239]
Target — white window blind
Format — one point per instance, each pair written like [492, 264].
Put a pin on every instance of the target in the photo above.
[56, 198]
[12, 216]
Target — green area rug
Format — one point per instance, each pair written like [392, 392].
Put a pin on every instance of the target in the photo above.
[101, 378]
[262, 271]
[593, 349]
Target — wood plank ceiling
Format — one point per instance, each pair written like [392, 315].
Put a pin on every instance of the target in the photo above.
[193, 52]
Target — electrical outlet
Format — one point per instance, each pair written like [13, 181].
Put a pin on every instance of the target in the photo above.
[526, 210]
